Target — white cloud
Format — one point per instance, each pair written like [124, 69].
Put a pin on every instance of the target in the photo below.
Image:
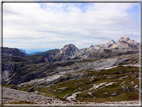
[52, 25]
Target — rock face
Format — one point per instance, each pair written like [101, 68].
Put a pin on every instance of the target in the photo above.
[11, 57]
[49, 55]
[66, 52]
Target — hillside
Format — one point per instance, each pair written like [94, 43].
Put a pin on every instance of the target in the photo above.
[18, 98]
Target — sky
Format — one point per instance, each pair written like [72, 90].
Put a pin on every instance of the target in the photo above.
[38, 27]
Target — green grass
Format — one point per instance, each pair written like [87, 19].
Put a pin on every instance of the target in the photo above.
[127, 96]
[84, 84]
[46, 91]
[122, 97]
[99, 94]
[61, 95]
[71, 86]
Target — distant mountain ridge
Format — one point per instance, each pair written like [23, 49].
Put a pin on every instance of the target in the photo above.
[124, 46]
[35, 53]
[12, 52]
[22, 50]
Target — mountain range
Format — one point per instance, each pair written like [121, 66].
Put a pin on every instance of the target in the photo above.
[70, 51]
[74, 74]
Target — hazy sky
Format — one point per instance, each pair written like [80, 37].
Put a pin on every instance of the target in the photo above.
[43, 26]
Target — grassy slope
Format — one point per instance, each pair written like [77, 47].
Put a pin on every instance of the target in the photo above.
[61, 89]
[84, 84]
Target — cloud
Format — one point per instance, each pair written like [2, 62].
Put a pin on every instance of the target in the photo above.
[52, 25]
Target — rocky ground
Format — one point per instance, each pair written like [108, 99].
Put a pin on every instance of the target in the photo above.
[12, 96]
[62, 69]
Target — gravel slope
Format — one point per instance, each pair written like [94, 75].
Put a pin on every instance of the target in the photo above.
[12, 95]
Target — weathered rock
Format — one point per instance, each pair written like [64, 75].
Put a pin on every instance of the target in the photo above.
[90, 93]
[125, 88]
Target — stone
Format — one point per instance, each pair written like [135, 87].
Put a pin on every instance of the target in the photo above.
[90, 93]
[66, 96]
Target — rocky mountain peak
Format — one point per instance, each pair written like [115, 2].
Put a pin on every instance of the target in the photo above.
[91, 46]
[125, 39]
[66, 52]
[125, 42]
[69, 46]
[111, 42]
[70, 49]
[128, 40]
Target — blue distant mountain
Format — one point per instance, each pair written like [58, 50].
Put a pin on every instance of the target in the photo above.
[35, 53]
[22, 50]
[27, 54]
